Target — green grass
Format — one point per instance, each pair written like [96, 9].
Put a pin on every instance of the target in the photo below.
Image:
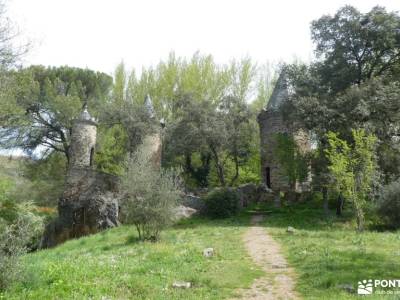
[324, 251]
[114, 265]
[327, 252]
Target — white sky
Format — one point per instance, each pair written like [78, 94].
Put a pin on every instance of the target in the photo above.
[98, 34]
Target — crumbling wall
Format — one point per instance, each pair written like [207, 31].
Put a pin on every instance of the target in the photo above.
[88, 204]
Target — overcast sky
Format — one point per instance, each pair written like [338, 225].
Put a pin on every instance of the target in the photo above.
[98, 34]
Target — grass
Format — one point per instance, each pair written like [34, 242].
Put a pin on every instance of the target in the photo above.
[114, 265]
[327, 252]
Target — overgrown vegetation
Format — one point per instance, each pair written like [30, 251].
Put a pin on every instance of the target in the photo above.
[389, 204]
[353, 169]
[20, 231]
[221, 203]
[150, 195]
[294, 163]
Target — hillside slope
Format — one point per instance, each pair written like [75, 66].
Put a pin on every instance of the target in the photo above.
[114, 265]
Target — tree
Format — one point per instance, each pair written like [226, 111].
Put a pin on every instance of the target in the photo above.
[39, 117]
[9, 51]
[352, 168]
[355, 47]
[150, 195]
[372, 105]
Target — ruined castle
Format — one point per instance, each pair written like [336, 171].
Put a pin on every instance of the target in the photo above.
[89, 202]
[271, 123]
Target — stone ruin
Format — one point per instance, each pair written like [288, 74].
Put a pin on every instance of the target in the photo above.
[271, 123]
[89, 202]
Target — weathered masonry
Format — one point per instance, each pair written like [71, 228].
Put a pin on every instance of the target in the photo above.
[271, 123]
[89, 202]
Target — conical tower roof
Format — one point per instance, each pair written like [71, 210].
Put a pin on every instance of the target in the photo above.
[280, 93]
[148, 103]
[85, 116]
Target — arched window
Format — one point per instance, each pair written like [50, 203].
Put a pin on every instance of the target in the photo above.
[91, 156]
[268, 177]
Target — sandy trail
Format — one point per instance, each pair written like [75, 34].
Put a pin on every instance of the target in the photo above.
[279, 282]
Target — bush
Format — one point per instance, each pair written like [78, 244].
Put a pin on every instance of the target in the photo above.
[150, 194]
[17, 236]
[389, 204]
[222, 203]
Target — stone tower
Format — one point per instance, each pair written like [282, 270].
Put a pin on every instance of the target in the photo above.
[89, 202]
[271, 122]
[83, 141]
[154, 141]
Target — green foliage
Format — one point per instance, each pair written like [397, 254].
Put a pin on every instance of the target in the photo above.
[149, 195]
[210, 124]
[112, 149]
[356, 46]
[221, 203]
[353, 84]
[44, 180]
[293, 162]
[389, 204]
[20, 230]
[43, 103]
[353, 167]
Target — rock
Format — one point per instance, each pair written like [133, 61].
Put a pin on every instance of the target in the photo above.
[182, 285]
[184, 212]
[290, 230]
[192, 201]
[88, 205]
[208, 252]
[279, 266]
[348, 287]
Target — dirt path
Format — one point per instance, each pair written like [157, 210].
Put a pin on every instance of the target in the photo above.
[278, 283]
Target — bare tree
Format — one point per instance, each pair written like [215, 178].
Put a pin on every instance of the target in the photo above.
[10, 50]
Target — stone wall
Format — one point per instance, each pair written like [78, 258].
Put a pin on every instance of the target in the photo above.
[88, 204]
[155, 148]
[271, 123]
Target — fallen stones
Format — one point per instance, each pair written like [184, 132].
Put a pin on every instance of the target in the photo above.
[290, 230]
[348, 287]
[182, 285]
[208, 252]
[184, 212]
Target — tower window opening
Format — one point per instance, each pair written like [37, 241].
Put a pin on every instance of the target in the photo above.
[91, 156]
[268, 177]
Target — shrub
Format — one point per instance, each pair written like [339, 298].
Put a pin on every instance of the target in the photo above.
[389, 203]
[150, 194]
[17, 236]
[221, 203]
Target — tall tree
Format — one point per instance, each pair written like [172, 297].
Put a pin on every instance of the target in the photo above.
[10, 52]
[354, 83]
[355, 47]
[44, 104]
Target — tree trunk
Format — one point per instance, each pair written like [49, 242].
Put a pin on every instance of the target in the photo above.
[325, 200]
[218, 166]
[339, 205]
